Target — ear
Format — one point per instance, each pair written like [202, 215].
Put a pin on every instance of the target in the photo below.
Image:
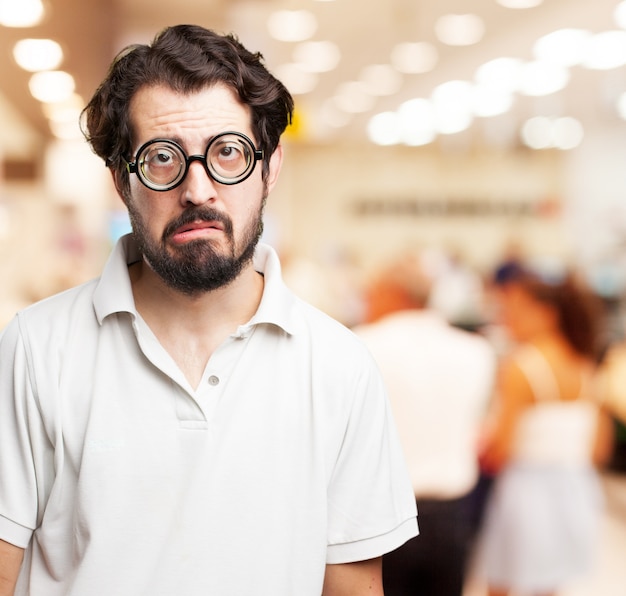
[115, 174]
[276, 162]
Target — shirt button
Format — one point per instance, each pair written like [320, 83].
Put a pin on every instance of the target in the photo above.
[213, 380]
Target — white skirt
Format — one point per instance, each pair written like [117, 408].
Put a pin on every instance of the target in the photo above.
[541, 527]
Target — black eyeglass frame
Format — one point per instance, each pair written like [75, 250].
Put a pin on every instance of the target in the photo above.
[133, 166]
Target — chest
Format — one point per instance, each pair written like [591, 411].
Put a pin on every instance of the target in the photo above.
[129, 405]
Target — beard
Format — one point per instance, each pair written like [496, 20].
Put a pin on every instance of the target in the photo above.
[196, 266]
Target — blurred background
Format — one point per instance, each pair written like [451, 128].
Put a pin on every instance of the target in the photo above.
[474, 131]
[468, 127]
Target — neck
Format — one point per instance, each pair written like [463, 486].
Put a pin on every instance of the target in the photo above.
[191, 328]
[235, 302]
[553, 342]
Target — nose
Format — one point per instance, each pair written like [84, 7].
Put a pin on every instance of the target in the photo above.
[198, 186]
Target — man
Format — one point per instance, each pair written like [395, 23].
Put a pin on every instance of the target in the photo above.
[439, 380]
[184, 424]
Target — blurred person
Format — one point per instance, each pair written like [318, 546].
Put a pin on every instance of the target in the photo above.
[184, 424]
[547, 434]
[613, 371]
[457, 292]
[439, 380]
[613, 387]
[510, 262]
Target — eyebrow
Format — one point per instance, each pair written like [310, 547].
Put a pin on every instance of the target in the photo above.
[179, 140]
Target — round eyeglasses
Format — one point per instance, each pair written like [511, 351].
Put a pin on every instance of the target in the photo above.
[162, 164]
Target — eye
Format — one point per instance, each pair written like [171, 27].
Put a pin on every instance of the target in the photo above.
[229, 156]
[160, 156]
[161, 162]
[163, 157]
[231, 152]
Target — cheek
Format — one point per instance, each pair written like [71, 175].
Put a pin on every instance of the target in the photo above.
[513, 314]
[246, 205]
[149, 206]
[146, 215]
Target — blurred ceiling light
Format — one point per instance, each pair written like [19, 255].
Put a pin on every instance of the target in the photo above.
[51, 86]
[317, 56]
[297, 80]
[519, 3]
[619, 15]
[292, 25]
[503, 73]
[552, 133]
[452, 102]
[450, 122]
[453, 93]
[381, 79]
[536, 132]
[34, 55]
[605, 50]
[21, 13]
[384, 129]
[417, 122]
[414, 57]
[488, 101]
[354, 97]
[564, 46]
[68, 110]
[66, 130]
[459, 29]
[567, 133]
[540, 78]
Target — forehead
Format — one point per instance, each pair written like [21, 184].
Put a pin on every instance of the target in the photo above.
[159, 111]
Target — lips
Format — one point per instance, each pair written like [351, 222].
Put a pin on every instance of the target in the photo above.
[199, 225]
[195, 229]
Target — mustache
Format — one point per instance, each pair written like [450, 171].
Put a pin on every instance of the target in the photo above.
[198, 214]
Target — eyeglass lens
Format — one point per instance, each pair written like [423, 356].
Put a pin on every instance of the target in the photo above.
[229, 159]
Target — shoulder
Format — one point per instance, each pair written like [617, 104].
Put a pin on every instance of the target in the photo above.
[513, 378]
[63, 302]
[339, 363]
[427, 331]
[322, 329]
[49, 316]
[312, 334]
[473, 340]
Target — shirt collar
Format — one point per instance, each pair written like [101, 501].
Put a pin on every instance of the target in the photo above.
[277, 305]
[114, 293]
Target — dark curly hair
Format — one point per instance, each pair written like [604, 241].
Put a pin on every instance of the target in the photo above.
[186, 58]
[580, 311]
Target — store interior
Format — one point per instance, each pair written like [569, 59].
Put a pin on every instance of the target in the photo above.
[462, 129]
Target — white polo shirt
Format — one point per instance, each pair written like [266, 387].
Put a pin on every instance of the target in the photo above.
[121, 479]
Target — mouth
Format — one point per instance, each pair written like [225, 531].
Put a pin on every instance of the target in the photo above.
[195, 230]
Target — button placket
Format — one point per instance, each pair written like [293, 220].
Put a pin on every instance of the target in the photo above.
[209, 393]
[219, 369]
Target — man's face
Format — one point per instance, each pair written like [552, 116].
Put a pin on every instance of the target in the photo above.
[200, 235]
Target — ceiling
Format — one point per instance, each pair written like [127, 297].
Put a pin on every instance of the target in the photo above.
[92, 31]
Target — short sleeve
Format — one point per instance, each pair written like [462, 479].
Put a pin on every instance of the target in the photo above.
[371, 503]
[26, 456]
